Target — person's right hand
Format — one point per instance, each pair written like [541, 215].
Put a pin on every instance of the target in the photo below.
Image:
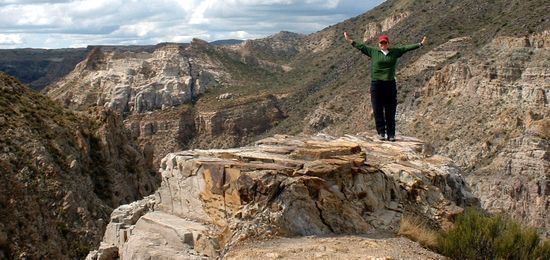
[346, 35]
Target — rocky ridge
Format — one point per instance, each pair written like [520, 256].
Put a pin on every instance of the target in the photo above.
[62, 174]
[213, 200]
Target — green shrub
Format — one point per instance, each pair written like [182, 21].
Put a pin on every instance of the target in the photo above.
[476, 236]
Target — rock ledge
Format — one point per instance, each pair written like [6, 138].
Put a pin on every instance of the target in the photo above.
[284, 186]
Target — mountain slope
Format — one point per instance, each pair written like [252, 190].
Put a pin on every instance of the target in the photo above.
[62, 173]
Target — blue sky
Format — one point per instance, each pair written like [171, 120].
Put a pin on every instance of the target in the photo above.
[64, 23]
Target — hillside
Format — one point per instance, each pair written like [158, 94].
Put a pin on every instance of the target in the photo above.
[62, 174]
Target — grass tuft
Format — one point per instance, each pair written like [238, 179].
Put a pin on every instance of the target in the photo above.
[417, 230]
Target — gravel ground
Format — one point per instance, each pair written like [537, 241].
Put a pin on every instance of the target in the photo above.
[377, 246]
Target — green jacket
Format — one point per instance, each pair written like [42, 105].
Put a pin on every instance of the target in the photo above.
[383, 66]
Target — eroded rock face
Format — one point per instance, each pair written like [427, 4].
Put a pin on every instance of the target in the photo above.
[375, 28]
[489, 112]
[162, 132]
[176, 129]
[211, 200]
[236, 125]
[134, 83]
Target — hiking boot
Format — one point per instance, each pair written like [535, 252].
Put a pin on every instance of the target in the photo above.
[391, 138]
[381, 137]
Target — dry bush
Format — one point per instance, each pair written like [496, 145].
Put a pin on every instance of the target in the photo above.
[417, 230]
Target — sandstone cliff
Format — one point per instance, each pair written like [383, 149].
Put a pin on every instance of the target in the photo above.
[130, 82]
[62, 173]
[213, 200]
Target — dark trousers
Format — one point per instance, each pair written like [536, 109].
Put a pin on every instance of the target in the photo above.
[383, 95]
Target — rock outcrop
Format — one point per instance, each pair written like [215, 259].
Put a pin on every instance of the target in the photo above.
[62, 173]
[373, 29]
[213, 200]
[133, 82]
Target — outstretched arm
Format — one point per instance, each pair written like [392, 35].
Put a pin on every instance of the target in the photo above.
[411, 47]
[362, 47]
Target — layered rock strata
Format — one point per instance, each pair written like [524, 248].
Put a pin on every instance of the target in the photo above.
[138, 82]
[212, 200]
[489, 111]
[176, 129]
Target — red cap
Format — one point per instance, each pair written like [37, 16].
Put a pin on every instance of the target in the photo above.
[383, 38]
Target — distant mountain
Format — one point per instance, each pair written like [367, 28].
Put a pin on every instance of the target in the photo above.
[40, 67]
[227, 42]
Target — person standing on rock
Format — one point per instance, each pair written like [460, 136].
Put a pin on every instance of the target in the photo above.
[383, 88]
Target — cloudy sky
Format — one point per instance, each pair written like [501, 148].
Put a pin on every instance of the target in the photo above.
[78, 23]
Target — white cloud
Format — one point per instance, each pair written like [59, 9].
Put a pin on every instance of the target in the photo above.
[11, 39]
[64, 23]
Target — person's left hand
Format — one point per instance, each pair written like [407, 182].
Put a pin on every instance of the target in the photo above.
[424, 40]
